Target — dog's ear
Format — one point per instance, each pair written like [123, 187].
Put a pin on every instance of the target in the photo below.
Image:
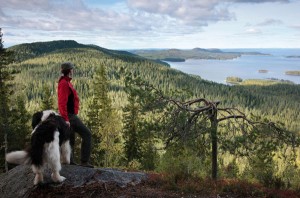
[36, 118]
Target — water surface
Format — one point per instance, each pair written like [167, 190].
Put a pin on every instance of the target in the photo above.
[245, 67]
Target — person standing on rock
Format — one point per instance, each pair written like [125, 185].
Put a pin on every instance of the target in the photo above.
[68, 106]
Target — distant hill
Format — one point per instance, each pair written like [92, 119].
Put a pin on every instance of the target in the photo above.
[177, 54]
[196, 53]
[31, 50]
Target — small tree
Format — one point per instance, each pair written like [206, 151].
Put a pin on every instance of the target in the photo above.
[47, 99]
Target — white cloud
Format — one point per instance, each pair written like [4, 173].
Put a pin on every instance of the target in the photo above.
[268, 22]
[253, 31]
[260, 1]
[297, 27]
[138, 20]
[198, 13]
[141, 15]
[65, 15]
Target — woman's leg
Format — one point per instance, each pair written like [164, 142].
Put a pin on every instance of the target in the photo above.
[86, 136]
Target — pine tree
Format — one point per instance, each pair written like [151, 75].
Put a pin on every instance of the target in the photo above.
[6, 58]
[20, 129]
[131, 129]
[104, 122]
[47, 100]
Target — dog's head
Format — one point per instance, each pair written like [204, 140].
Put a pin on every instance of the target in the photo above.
[50, 119]
[42, 116]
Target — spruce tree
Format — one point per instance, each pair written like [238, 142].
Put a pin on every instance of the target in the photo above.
[6, 58]
[104, 122]
[131, 128]
[47, 100]
[20, 129]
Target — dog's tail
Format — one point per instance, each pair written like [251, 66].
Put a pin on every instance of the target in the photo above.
[18, 157]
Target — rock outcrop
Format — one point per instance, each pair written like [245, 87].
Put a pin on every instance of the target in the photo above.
[18, 182]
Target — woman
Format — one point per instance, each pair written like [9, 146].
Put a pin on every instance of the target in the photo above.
[68, 106]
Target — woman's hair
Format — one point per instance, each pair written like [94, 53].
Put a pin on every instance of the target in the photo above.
[65, 72]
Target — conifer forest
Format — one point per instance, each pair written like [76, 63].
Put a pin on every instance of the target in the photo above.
[147, 116]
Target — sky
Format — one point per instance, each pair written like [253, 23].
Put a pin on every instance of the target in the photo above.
[140, 24]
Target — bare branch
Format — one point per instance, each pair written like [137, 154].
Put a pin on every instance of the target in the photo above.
[232, 116]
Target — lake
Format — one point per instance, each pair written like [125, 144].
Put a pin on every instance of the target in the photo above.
[246, 66]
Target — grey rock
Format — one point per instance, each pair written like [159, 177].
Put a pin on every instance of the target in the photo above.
[18, 182]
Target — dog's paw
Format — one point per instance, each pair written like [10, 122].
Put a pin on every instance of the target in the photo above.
[38, 179]
[61, 179]
[57, 178]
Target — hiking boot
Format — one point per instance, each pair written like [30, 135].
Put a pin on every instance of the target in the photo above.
[86, 164]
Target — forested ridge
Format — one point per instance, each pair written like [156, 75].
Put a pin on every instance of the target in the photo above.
[37, 69]
[40, 65]
[196, 53]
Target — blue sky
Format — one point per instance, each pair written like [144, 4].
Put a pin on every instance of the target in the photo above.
[136, 24]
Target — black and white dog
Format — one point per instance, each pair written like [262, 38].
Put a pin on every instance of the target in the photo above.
[49, 145]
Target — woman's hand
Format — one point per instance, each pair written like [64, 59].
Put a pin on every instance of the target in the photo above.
[68, 123]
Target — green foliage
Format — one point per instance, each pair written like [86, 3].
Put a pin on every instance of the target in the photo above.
[264, 82]
[19, 133]
[104, 121]
[293, 73]
[13, 115]
[5, 92]
[181, 162]
[131, 128]
[47, 99]
[147, 121]
[232, 170]
[234, 80]
[179, 55]
[273, 102]
[141, 125]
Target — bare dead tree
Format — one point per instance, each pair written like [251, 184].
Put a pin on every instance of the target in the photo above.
[201, 108]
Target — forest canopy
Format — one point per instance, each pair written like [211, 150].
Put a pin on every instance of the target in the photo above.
[134, 129]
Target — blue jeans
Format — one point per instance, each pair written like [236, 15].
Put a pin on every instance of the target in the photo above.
[78, 127]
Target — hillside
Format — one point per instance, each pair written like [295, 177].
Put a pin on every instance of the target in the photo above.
[39, 65]
[31, 50]
[196, 53]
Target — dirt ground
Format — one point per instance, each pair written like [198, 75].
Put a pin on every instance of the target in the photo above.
[106, 190]
[157, 189]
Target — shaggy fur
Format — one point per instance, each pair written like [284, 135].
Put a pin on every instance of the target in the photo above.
[49, 145]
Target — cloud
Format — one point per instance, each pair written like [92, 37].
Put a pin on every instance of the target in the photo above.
[185, 11]
[296, 27]
[253, 31]
[268, 22]
[62, 15]
[137, 15]
[260, 1]
[142, 18]
[195, 13]
[145, 16]
[36, 5]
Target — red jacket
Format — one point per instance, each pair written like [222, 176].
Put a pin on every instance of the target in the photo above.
[68, 100]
